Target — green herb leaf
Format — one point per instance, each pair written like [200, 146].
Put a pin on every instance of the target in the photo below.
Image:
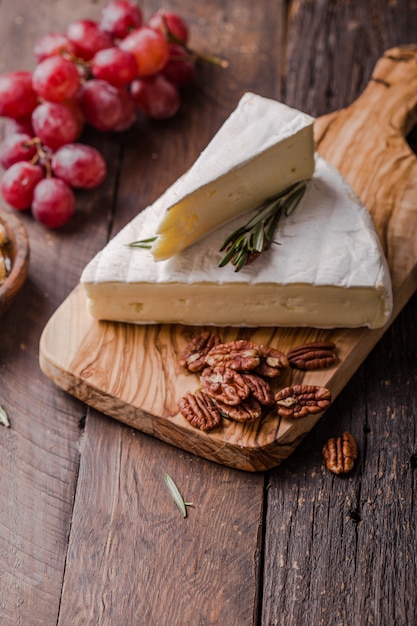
[4, 418]
[176, 495]
[143, 243]
[294, 200]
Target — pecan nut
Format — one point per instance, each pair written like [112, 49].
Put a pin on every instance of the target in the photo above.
[247, 411]
[340, 453]
[272, 361]
[194, 355]
[260, 389]
[314, 355]
[224, 384]
[302, 400]
[199, 410]
[239, 355]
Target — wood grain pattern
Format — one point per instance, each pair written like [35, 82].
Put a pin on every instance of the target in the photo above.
[148, 564]
[132, 373]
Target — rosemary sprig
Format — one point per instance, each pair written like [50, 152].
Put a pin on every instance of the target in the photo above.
[246, 243]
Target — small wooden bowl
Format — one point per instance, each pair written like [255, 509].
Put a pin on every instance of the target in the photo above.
[17, 250]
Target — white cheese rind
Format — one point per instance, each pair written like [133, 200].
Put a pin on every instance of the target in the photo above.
[262, 148]
[327, 269]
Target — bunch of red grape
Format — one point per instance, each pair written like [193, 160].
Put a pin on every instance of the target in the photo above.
[99, 73]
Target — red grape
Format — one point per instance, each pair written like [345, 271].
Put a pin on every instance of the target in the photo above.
[51, 45]
[55, 124]
[170, 24]
[19, 182]
[119, 17]
[15, 127]
[150, 49]
[180, 68]
[155, 96]
[55, 79]
[16, 148]
[79, 165]
[127, 112]
[100, 72]
[114, 65]
[17, 97]
[103, 105]
[74, 106]
[87, 38]
[53, 202]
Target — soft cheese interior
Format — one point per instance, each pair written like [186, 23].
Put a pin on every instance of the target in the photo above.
[261, 149]
[327, 269]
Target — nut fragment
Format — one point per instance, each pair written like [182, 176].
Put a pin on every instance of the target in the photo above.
[247, 411]
[340, 453]
[272, 361]
[239, 355]
[199, 410]
[224, 384]
[195, 353]
[302, 400]
[314, 355]
[260, 389]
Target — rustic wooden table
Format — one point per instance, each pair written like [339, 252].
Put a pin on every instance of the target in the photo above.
[88, 531]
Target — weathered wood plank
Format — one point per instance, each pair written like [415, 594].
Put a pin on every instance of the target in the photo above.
[39, 454]
[342, 550]
[131, 552]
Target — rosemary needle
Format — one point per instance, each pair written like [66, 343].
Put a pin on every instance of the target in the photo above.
[143, 243]
[4, 419]
[176, 495]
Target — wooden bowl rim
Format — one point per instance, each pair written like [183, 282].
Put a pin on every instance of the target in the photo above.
[20, 252]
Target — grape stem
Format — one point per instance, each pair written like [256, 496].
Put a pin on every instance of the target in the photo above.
[209, 58]
[41, 155]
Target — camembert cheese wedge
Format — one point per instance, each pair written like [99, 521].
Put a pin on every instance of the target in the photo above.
[327, 269]
[261, 149]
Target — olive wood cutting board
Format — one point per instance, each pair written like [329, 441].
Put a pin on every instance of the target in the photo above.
[132, 373]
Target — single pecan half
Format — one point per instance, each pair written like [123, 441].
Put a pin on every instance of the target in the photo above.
[272, 361]
[340, 453]
[198, 409]
[239, 355]
[194, 355]
[302, 400]
[314, 355]
[248, 410]
[224, 384]
[260, 388]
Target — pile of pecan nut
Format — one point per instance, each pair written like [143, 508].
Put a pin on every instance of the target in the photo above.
[236, 377]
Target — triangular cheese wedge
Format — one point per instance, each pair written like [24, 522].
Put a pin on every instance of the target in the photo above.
[261, 149]
[327, 269]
